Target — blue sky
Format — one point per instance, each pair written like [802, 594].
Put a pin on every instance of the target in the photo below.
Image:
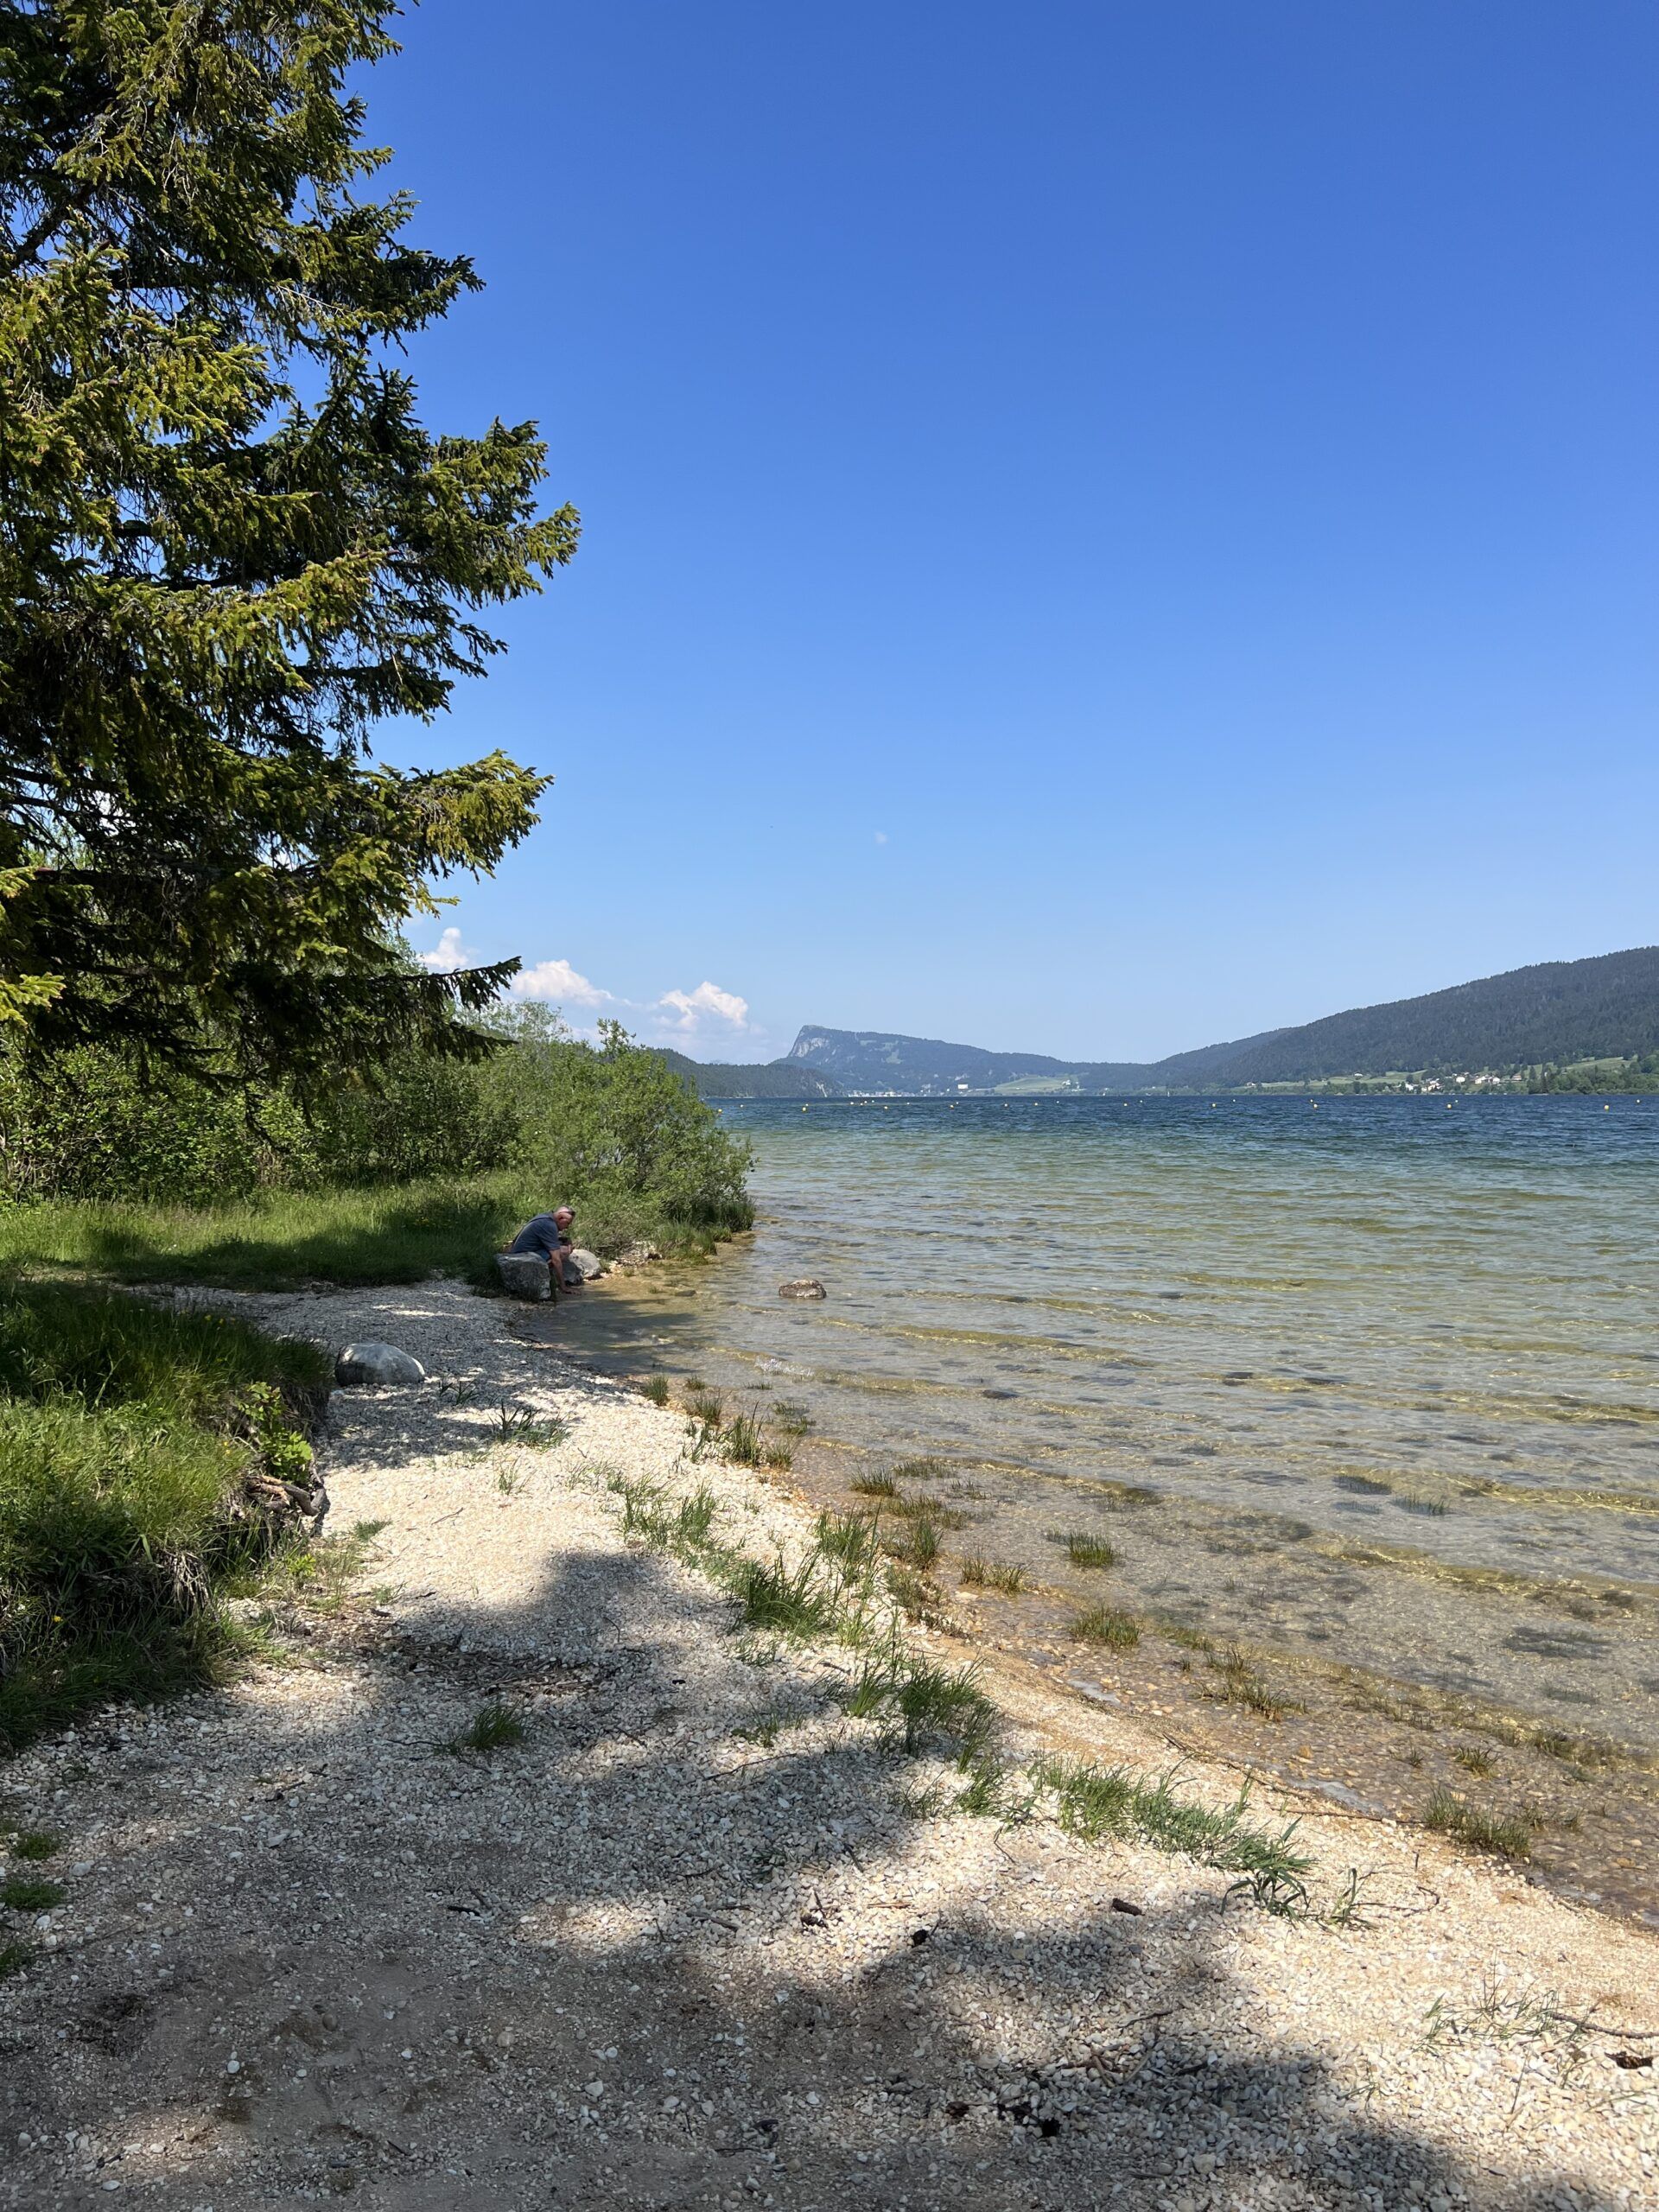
[1107, 527]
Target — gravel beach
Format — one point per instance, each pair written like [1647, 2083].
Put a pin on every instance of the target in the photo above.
[696, 1938]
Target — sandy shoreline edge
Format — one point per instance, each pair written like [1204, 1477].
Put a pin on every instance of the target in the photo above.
[686, 1944]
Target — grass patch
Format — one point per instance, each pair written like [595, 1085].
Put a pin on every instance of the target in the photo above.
[1102, 1624]
[706, 1406]
[924, 1702]
[14, 1957]
[992, 1574]
[36, 1844]
[683, 1528]
[773, 1721]
[655, 1386]
[918, 1597]
[494, 1727]
[523, 1425]
[30, 1893]
[1473, 1759]
[1096, 1802]
[1083, 1550]
[916, 1542]
[851, 1539]
[791, 1419]
[318, 1576]
[148, 1457]
[1241, 1685]
[921, 1470]
[874, 1486]
[784, 1600]
[283, 1240]
[1478, 1827]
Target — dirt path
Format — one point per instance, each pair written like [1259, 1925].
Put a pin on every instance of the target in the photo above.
[691, 1941]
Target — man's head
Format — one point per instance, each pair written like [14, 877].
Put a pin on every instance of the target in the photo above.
[564, 1216]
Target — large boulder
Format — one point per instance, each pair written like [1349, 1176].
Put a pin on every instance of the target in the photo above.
[803, 1286]
[377, 1362]
[588, 1265]
[525, 1275]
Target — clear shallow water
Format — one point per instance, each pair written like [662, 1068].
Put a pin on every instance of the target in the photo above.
[1358, 1350]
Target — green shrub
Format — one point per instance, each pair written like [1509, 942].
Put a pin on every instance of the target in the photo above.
[457, 1156]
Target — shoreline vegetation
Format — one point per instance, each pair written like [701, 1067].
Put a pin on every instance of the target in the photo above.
[1635, 1075]
[151, 1462]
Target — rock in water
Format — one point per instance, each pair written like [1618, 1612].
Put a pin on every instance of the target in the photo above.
[524, 1275]
[803, 1286]
[588, 1265]
[637, 1255]
[377, 1362]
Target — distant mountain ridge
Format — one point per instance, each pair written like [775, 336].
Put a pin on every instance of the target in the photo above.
[1556, 1011]
[752, 1079]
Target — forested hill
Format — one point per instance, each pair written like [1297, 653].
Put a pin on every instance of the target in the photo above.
[1560, 1012]
[1563, 1010]
[866, 1060]
[752, 1079]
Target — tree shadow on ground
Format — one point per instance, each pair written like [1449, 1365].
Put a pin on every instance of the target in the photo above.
[641, 1959]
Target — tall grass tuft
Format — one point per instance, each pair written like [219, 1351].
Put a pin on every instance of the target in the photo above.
[1508, 1836]
[1083, 1551]
[982, 1573]
[1102, 1624]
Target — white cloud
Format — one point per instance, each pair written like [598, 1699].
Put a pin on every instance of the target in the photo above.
[448, 954]
[689, 1012]
[880, 837]
[558, 982]
[685, 1016]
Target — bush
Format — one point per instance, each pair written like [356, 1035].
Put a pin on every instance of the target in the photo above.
[429, 1168]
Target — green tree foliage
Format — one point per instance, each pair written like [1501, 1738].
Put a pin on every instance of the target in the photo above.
[613, 1130]
[229, 548]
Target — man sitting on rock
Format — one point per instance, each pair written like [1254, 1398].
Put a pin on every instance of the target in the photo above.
[548, 1236]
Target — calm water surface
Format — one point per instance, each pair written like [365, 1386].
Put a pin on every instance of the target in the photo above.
[1390, 1370]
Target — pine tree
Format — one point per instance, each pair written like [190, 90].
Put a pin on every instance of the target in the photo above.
[229, 548]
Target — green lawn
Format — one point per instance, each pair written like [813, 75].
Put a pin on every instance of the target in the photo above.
[279, 1241]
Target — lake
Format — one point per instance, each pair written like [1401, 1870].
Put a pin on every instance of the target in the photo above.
[1371, 1385]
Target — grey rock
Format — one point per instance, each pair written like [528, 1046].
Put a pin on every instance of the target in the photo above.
[803, 1287]
[524, 1275]
[588, 1265]
[374, 1362]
